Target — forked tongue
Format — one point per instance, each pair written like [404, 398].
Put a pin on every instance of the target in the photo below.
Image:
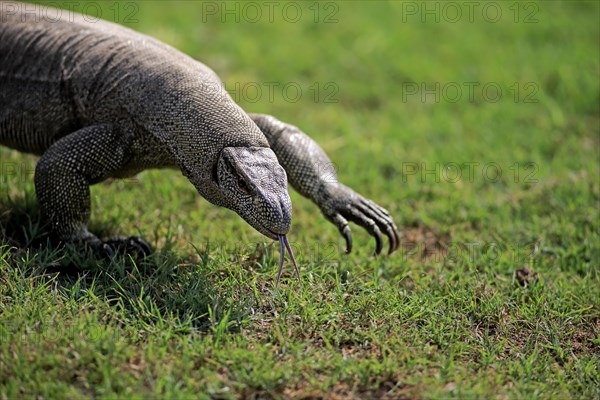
[283, 245]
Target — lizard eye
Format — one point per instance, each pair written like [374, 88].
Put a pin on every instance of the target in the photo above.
[243, 186]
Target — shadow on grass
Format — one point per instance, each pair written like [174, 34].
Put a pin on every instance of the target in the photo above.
[165, 286]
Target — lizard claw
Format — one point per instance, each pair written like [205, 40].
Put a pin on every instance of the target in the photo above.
[106, 250]
[348, 236]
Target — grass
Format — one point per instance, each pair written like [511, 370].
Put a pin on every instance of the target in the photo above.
[494, 294]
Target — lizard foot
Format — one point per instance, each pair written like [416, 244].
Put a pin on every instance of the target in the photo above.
[83, 253]
[108, 248]
[343, 205]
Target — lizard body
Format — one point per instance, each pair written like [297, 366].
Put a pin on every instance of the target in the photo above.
[98, 100]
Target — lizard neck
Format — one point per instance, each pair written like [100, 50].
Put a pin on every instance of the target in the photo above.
[197, 119]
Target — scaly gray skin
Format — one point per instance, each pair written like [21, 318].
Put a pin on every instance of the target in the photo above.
[97, 100]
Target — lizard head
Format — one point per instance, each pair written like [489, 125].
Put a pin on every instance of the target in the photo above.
[254, 185]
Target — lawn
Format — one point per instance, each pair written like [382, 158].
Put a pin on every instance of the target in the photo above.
[476, 124]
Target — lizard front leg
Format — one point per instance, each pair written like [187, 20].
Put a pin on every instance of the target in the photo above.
[311, 173]
[63, 177]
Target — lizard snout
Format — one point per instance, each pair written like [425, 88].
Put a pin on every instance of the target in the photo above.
[280, 215]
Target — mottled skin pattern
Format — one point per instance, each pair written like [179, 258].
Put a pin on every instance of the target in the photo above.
[97, 100]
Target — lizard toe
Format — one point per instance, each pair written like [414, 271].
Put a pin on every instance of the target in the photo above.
[132, 245]
[342, 224]
[141, 245]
